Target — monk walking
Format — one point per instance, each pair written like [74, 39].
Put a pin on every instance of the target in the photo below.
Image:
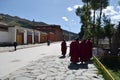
[63, 47]
[74, 48]
[83, 53]
[89, 48]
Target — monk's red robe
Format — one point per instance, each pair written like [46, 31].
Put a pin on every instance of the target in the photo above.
[63, 48]
[83, 53]
[89, 48]
[74, 50]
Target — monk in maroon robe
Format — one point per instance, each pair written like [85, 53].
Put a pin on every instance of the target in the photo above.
[89, 48]
[63, 47]
[74, 48]
[83, 53]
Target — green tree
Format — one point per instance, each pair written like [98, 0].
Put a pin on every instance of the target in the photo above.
[81, 33]
[101, 33]
[88, 33]
[109, 29]
[85, 20]
[116, 41]
[103, 4]
[86, 3]
[95, 5]
[119, 2]
[79, 12]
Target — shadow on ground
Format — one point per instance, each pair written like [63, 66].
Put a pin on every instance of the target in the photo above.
[62, 57]
[73, 66]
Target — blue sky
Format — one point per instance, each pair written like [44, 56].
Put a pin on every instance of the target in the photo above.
[59, 12]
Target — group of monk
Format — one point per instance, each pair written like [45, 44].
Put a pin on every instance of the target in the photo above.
[80, 51]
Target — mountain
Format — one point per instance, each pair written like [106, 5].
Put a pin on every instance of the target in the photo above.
[69, 35]
[15, 20]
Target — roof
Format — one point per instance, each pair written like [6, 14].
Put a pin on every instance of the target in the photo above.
[3, 24]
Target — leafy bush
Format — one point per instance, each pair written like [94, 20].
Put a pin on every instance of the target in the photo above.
[112, 62]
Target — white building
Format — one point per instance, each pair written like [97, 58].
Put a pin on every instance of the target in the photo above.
[18, 34]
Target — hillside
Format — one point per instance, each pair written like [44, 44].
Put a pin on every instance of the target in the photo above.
[15, 20]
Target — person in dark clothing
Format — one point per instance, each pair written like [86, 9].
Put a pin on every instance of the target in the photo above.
[89, 48]
[83, 53]
[15, 45]
[74, 51]
[48, 42]
[63, 47]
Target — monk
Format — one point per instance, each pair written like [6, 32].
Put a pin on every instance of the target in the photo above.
[89, 48]
[74, 48]
[63, 47]
[83, 53]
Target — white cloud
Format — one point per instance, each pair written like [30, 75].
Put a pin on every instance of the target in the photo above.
[65, 18]
[113, 12]
[70, 9]
[115, 19]
[76, 6]
[110, 11]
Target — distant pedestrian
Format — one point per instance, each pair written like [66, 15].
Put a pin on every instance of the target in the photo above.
[63, 47]
[48, 42]
[74, 51]
[15, 45]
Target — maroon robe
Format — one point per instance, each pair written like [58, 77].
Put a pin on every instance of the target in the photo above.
[83, 53]
[74, 47]
[89, 48]
[63, 48]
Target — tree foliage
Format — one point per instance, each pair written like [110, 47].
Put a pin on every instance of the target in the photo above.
[109, 29]
[84, 14]
[91, 27]
[116, 41]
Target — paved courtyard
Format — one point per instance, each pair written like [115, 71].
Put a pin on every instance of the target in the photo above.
[42, 62]
[55, 68]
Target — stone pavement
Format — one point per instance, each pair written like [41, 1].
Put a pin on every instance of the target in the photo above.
[55, 68]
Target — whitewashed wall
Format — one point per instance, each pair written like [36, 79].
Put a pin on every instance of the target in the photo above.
[4, 36]
[12, 34]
